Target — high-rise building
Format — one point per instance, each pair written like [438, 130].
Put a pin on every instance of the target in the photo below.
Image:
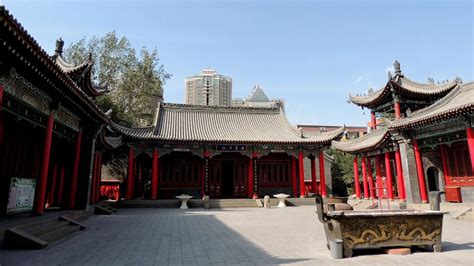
[208, 88]
[258, 98]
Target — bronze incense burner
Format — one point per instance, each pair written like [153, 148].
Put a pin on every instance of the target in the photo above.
[381, 228]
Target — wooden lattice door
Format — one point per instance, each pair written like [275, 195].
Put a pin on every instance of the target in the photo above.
[215, 177]
[220, 178]
[240, 178]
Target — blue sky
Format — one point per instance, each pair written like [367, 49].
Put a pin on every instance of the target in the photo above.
[311, 53]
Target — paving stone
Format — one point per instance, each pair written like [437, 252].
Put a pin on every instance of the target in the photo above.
[221, 237]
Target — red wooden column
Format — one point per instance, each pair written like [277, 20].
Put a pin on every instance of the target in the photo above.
[61, 185]
[130, 174]
[301, 174]
[322, 175]
[205, 173]
[396, 106]
[75, 171]
[250, 178]
[53, 186]
[371, 178]
[373, 120]
[98, 178]
[378, 174]
[444, 159]
[254, 174]
[154, 174]
[356, 178]
[470, 144]
[314, 187]
[420, 171]
[293, 176]
[364, 177]
[43, 178]
[94, 178]
[389, 177]
[400, 179]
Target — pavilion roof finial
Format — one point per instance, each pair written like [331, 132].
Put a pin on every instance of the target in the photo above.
[396, 66]
[59, 46]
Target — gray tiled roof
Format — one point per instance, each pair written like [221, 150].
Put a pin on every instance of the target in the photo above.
[458, 102]
[370, 141]
[217, 124]
[404, 86]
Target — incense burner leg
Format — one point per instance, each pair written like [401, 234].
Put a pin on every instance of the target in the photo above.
[437, 248]
[347, 252]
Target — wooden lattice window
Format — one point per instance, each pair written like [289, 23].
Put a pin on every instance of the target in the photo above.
[274, 171]
[180, 170]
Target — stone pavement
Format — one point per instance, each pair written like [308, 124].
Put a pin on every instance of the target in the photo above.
[222, 237]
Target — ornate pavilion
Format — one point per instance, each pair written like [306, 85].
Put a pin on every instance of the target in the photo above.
[222, 152]
[49, 125]
[421, 134]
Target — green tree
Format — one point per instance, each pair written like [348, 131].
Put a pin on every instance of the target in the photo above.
[342, 171]
[132, 78]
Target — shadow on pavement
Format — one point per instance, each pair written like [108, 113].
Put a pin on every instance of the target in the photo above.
[148, 236]
[449, 246]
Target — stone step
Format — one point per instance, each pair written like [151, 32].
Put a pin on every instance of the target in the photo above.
[78, 215]
[49, 231]
[59, 232]
[214, 203]
[15, 238]
[39, 228]
[233, 203]
[39, 232]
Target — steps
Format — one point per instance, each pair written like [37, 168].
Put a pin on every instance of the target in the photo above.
[233, 203]
[214, 203]
[104, 208]
[42, 232]
[298, 202]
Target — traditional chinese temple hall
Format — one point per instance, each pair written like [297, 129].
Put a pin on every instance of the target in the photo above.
[221, 152]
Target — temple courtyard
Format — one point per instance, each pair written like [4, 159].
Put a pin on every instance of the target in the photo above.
[242, 236]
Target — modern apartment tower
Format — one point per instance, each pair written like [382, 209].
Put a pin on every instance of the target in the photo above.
[208, 88]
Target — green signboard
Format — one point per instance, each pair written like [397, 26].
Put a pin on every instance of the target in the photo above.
[22, 195]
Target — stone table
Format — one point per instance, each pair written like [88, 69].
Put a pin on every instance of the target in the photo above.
[281, 199]
[184, 201]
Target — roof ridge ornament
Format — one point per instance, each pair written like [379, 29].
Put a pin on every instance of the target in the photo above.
[59, 46]
[396, 67]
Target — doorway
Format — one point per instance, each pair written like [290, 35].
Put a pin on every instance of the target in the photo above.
[227, 178]
[433, 179]
[228, 175]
